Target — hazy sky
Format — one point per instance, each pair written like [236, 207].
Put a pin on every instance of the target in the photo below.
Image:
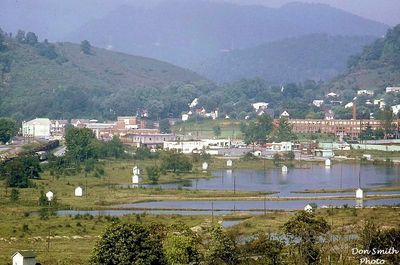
[386, 11]
[53, 19]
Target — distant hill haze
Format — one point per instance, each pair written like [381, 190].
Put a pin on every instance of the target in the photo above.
[187, 32]
[310, 57]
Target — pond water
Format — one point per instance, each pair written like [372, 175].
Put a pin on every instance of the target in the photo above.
[253, 205]
[154, 212]
[338, 176]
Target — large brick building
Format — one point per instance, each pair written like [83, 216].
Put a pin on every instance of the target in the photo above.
[350, 128]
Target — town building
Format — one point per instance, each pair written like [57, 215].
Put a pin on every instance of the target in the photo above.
[150, 140]
[365, 92]
[185, 146]
[37, 128]
[392, 89]
[351, 128]
[318, 102]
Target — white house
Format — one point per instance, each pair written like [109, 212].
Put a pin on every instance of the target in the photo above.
[318, 102]
[332, 95]
[365, 92]
[78, 191]
[284, 114]
[282, 146]
[392, 89]
[308, 208]
[284, 169]
[24, 257]
[185, 117]
[396, 109]
[37, 128]
[349, 105]
[260, 105]
[229, 163]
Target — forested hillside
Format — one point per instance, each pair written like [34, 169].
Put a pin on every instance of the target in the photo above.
[376, 67]
[64, 80]
[314, 57]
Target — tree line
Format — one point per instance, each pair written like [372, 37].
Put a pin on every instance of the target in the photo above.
[305, 238]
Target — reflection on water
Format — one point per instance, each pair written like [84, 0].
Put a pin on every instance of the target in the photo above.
[338, 176]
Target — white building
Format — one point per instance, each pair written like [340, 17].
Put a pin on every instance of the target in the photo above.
[308, 208]
[328, 163]
[392, 89]
[185, 146]
[185, 117]
[260, 105]
[98, 127]
[284, 169]
[282, 146]
[217, 143]
[349, 105]
[284, 114]
[78, 191]
[24, 257]
[396, 109]
[332, 95]
[37, 128]
[318, 102]
[229, 163]
[365, 92]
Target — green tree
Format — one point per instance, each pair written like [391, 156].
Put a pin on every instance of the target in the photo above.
[164, 126]
[267, 249]
[81, 144]
[221, 248]
[14, 196]
[18, 172]
[176, 162]
[113, 148]
[217, 130]
[386, 117]
[127, 244]
[20, 36]
[181, 249]
[304, 230]
[8, 129]
[153, 174]
[284, 131]
[257, 131]
[86, 48]
[31, 38]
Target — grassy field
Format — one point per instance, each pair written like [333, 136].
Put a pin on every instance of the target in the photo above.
[73, 237]
[204, 128]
